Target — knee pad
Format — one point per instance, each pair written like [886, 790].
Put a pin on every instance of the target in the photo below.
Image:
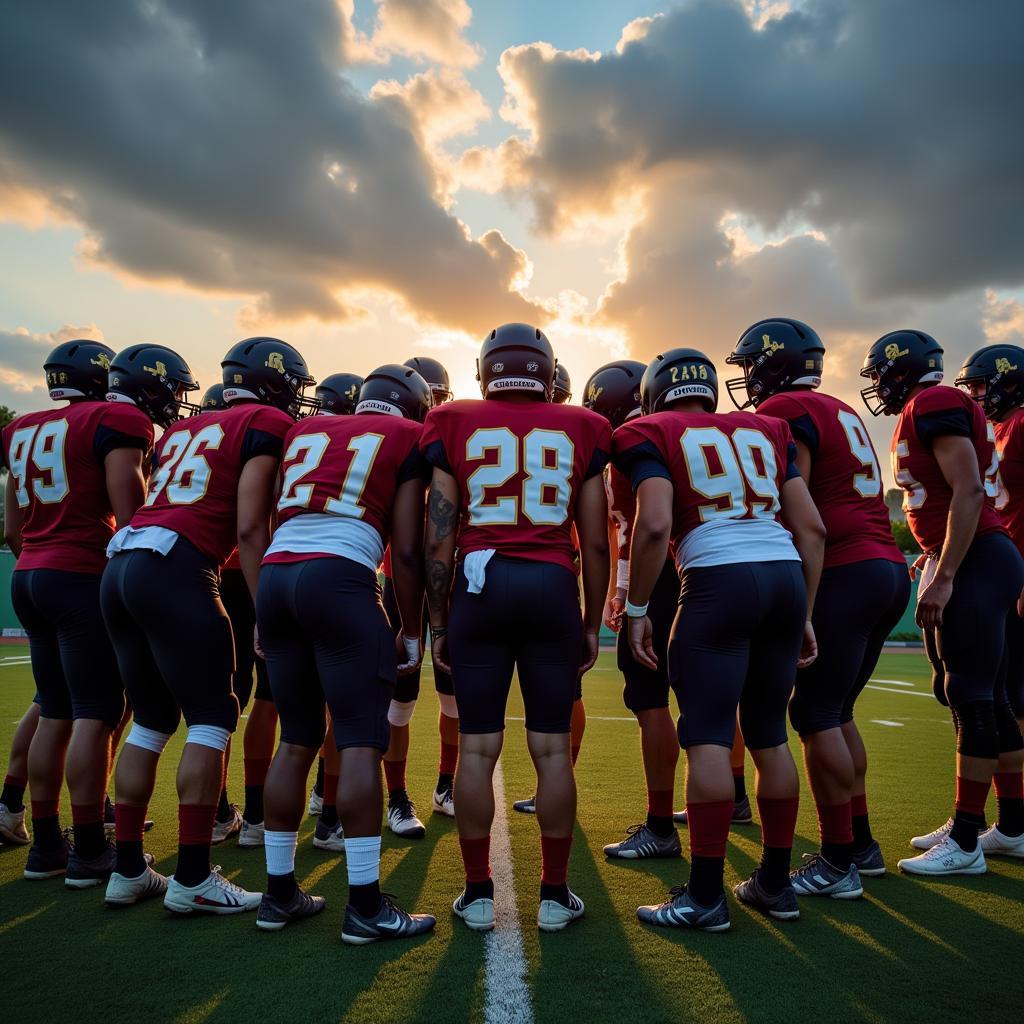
[449, 708]
[978, 735]
[148, 739]
[212, 736]
[401, 713]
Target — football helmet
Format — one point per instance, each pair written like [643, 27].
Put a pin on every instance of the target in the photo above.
[1001, 369]
[338, 394]
[78, 369]
[561, 388]
[154, 378]
[397, 391]
[270, 371]
[213, 399]
[895, 365]
[516, 357]
[677, 374]
[613, 391]
[776, 354]
[435, 375]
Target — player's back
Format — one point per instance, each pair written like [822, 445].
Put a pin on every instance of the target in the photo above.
[1009, 484]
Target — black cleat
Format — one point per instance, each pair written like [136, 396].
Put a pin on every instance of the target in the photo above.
[273, 915]
[780, 905]
[390, 922]
[49, 863]
[84, 874]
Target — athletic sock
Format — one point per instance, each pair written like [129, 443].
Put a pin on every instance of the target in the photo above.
[46, 832]
[255, 769]
[705, 884]
[1010, 794]
[13, 794]
[476, 859]
[708, 823]
[480, 890]
[329, 811]
[365, 899]
[279, 848]
[969, 818]
[778, 825]
[129, 826]
[444, 780]
[318, 785]
[195, 827]
[394, 773]
[659, 812]
[862, 837]
[90, 839]
[835, 824]
[554, 858]
[739, 782]
[223, 807]
[449, 759]
[362, 862]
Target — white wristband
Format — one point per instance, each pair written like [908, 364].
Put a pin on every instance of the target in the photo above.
[622, 574]
[412, 648]
[635, 611]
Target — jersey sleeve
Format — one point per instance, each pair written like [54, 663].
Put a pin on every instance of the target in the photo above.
[602, 450]
[432, 443]
[265, 434]
[942, 412]
[637, 454]
[122, 426]
[414, 466]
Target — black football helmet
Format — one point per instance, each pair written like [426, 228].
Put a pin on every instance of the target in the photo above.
[338, 393]
[896, 364]
[213, 399]
[435, 375]
[516, 357]
[613, 391]
[776, 355]
[677, 374]
[1001, 368]
[154, 378]
[561, 387]
[270, 371]
[78, 369]
[397, 391]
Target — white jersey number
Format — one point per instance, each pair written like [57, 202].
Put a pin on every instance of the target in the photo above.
[184, 472]
[43, 446]
[994, 487]
[914, 494]
[307, 450]
[869, 483]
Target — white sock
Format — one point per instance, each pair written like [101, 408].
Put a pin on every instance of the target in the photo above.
[280, 850]
[362, 859]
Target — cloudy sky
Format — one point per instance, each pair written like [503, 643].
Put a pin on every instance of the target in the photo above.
[373, 179]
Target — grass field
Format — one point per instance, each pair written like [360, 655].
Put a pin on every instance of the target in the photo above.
[911, 950]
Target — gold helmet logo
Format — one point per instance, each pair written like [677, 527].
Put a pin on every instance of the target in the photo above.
[594, 393]
[276, 361]
[102, 359]
[238, 378]
[160, 370]
[1003, 365]
[894, 352]
[769, 346]
[352, 393]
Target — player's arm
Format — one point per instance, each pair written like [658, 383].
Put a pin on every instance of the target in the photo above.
[804, 523]
[125, 480]
[439, 561]
[407, 568]
[652, 530]
[256, 487]
[14, 516]
[592, 528]
[804, 460]
[958, 461]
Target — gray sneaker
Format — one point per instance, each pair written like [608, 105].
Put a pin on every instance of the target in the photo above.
[817, 877]
[780, 905]
[641, 842]
[869, 861]
[273, 915]
[84, 874]
[527, 806]
[680, 910]
[390, 922]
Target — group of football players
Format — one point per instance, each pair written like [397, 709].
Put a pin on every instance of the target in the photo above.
[756, 577]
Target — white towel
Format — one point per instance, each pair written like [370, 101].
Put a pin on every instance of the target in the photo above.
[474, 565]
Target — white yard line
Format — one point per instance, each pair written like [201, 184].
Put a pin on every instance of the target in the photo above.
[882, 721]
[892, 682]
[903, 693]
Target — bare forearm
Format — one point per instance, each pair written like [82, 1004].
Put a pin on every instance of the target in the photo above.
[596, 572]
[646, 558]
[964, 512]
[439, 549]
[251, 548]
[407, 578]
[811, 548]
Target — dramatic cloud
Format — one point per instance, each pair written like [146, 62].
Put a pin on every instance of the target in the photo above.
[426, 29]
[21, 360]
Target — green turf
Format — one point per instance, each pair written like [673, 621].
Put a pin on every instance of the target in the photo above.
[910, 951]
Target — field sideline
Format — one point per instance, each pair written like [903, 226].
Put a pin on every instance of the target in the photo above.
[911, 950]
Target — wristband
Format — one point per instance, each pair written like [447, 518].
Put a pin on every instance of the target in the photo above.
[412, 648]
[438, 631]
[622, 574]
[636, 611]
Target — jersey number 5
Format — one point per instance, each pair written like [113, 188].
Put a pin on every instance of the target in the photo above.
[43, 446]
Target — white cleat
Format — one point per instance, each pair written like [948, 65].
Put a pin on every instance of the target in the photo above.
[444, 802]
[250, 836]
[125, 892]
[553, 916]
[12, 826]
[402, 818]
[225, 829]
[316, 803]
[213, 895]
[946, 859]
[330, 839]
[478, 915]
[994, 843]
[933, 838]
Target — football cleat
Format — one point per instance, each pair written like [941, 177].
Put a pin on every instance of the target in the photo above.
[47, 863]
[994, 842]
[527, 806]
[947, 858]
[444, 801]
[869, 862]
[12, 826]
[641, 843]
[402, 818]
[553, 916]
[326, 837]
[251, 835]
[478, 914]
[932, 838]
[390, 922]
[274, 915]
[680, 910]
[741, 813]
[84, 874]
[780, 905]
[125, 892]
[316, 803]
[225, 829]
[213, 895]
[818, 877]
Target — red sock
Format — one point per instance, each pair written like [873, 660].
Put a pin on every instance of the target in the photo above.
[476, 857]
[859, 805]
[1009, 785]
[255, 770]
[394, 772]
[575, 752]
[737, 770]
[971, 796]
[13, 780]
[708, 825]
[659, 803]
[129, 823]
[778, 821]
[835, 823]
[449, 758]
[195, 824]
[554, 858]
[45, 809]
[86, 814]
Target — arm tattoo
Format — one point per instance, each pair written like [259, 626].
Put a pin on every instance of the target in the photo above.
[439, 576]
[443, 513]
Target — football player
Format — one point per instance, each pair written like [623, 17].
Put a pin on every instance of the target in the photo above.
[12, 797]
[349, 485]
[75, 473]
[994, 377]
[402, 817]
[863, 591]
[970, 580]
[512, 475]
[561, 390]
[716, 486]
[212, 490]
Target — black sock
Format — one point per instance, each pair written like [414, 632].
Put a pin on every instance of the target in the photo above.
[558, 893]
[223, 807]
[281, 887]
[705, 882]
[108, 809]
[444, 781]
[90, 840]
[740, 785]
[318, 786]
[774, 868]
[329, 816]
[193, 864]
[661, 827]
[1011, 816]
[365, 899]
[839, 855]
[965, 830]
[480, 890]
[253, 804]
[130, 861]
[46, 832]
[13, 797]
[862, 837]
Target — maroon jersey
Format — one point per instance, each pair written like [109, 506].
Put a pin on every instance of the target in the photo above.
[727, 472]
[344, 467]
[846, 481]
[194, 488]
[519, 467]
[56, 463]
[1009, 483]
[930, 414]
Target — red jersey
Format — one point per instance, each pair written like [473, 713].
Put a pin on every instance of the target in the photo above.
[727, 472]
[846, 481]
[233, 564]
[519, 467]
[1009, 483]
[56, 463]
[344, 467]
[930, 414]
[194, 489]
